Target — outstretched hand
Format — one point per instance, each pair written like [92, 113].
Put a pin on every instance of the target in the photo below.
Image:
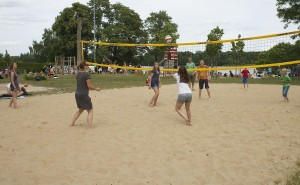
[97, 89]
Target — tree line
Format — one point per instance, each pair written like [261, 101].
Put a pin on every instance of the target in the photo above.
[120, 24]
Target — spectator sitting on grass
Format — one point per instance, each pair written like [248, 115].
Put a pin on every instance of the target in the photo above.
[9, 94]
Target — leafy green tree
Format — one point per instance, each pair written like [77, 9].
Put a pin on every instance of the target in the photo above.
[289, 12]
[125, 26]
[102, 12]
[7, 57]
[237, 50]
[282, 52]
[38, 51]
[213, 50]
[1, 57]
[50, 43]
[25, 57]
[183, 56]
[158, 25]
[61, 39]
[65, 28]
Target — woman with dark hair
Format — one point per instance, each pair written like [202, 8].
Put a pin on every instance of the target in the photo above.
[154, 83]
[82, 93]
[184, 94]
[14, 85]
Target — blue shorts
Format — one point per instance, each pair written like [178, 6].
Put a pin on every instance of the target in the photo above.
[154, 85]
[185, 98]
[285, 91]
[245, 80]
[12, 88]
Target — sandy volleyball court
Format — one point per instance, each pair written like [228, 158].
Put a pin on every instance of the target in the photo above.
[239, 137]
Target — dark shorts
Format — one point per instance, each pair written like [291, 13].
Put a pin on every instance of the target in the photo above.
[185, 98]
[83, 102]
[245, 80]
[192, 78]
[12, 88]
[154, 85]
[203, 82]
[285, 91]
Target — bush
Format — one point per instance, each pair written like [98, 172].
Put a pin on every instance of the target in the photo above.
[22, 66]
[37, 77]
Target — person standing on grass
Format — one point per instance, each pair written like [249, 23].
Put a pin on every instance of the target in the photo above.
[286, 82]
[246, 76]
[14, 85]
[204, 77]
[154, 83]
[184, 94]
[191, 65]
[82, 94]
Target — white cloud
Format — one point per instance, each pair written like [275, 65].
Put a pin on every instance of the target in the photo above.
[22, 21]
[9, 43]
[10, 3]
[15, 19]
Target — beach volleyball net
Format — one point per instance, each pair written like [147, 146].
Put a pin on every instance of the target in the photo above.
[274, 50]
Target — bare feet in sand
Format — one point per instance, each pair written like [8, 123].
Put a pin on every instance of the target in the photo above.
[188, 122]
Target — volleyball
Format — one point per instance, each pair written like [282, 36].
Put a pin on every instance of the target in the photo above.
[168, 39]
[25, 84]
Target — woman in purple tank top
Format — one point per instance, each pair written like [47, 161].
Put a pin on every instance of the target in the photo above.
[14, 85]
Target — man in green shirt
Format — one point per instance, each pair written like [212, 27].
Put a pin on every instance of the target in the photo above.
[191, 65]
[286, 82]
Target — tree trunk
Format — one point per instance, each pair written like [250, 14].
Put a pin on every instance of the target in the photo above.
[79, 44]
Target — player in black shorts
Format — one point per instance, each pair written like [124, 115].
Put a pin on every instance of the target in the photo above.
[203, 76]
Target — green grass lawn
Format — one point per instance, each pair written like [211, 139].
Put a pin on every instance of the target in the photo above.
[269, 80]
[68, 83]
[291, 179]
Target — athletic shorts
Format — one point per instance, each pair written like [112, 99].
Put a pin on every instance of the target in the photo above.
[245, 80]
[192, 78]
[285, 91]
[184, 98]
[83, 101]
[203, 82]
[154, 85]
[12, 88]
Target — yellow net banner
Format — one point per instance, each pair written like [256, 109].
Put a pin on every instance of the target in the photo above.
[191, 43]
[202, 69]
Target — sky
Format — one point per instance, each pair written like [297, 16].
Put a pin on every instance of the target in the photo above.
[22, 21]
